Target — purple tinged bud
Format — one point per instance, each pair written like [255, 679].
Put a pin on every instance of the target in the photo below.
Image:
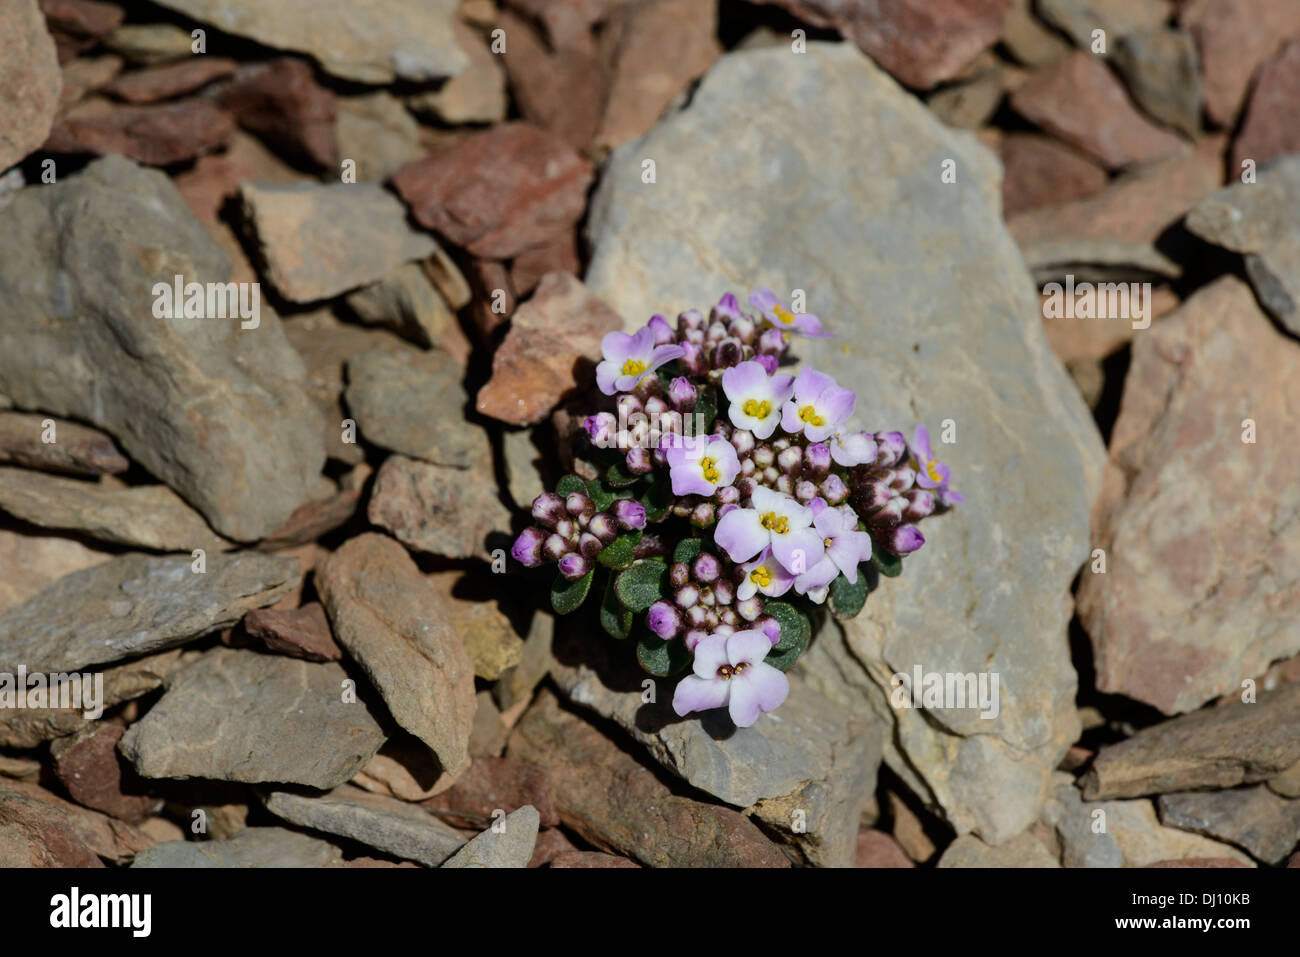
[744, 330]
[711, 620]
[728, 618]
[920, 503]
[784, 483]
[890, 449]
[817, 459]
[771, 343]
[763, 456]
[728, 307]
[639, 460]
[743, 441]
[664, 620]
[690, 319]
[601, 429]
[721, 628]
[805, 491]
[555, 547]
[904, 539]
[688, 596]
[790, 459]
[704, 515]
[706, 597]
[770, 627]
[727, 496]
[602, 526]
[693, 358]
[589, 545]
[888, 516]
[750, 608]
[629, 514]
[697, 616]
[567, 528]
[548, 508]
[716, 332]
[724, 509]
[728, 353]
[576, 503]
[724, 591]
[747, 469]
[662, 331]
[693, 638]
[871, 496]
[706, 568]
[834, 490]
[527, 549]
[902, 478]
[682, 394]
[768, 363]
[574, 566]
[679, 574]
[655, 406]
[628, 404]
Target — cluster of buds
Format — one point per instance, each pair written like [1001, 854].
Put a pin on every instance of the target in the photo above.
[726, 338]
[703, 601]
[571, 533]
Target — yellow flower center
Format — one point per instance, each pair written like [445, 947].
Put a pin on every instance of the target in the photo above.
[775, 523]
[760, 576]
[633, 367]
[826, 542]
[809, 414]
[784, 314]
[932, 470]
[709, 469]
[757, 409]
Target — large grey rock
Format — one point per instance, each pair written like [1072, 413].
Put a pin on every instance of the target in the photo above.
[1255, 819]
[1080, 831]
[217, 412]
[936, 318]
[144, 516]
[137, 604]
[31, 82]
[384, 823]
[1259, 220]
[252, 847]
[375, 42]
[234, 715]
[511, 846]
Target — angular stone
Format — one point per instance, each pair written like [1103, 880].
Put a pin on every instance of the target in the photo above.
[648, 821]
[1220, 747]
[523, 467]
[1234, 39]
[134, 605]
[378, 43]
[1118, 18]
[493, 784]
[488, 737]
[1143, 840]
[878, 849]
[31, 83]
[89, 766]
[215, 411]
[404, 768]
[408, 302]
[143, 516]
[155, 135]
[437, 509]
[1287, 784]
[1024, 850]
[377, 133]
[1013, 400]
[1161, 70]
[1028, 39]
[498, 192]
[40, 829]
[86, 75]
[1255, 219]
[254, 847]
[1119, 233]
[384, 823]
[1079, 100]
[531, 265]
[75, 449]
[313, 519]
[392, 622]
[590, 859]
[548, 351]
[475, 95]
[1197, 592]
[233, 715]
[281, 102]
[510, 845]
[88, 19]
[412, 402]
[319, 241]
[971, 103]
[148, 43]
[471, 609]
[171, 80]
[1040, 171]
[1255, 819]
[1268, 129]
[535, 660]
[303, 633]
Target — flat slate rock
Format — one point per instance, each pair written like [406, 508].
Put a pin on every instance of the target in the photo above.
[72, 448]
[438, 509]
[234, 715]
[935, 318]
[1255, 819]
[251, 847]
[137, 604]
[217, 412]
[509, 843]
[384, 823]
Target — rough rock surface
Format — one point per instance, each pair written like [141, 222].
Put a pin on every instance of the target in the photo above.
[215, 411]
[31, 83]
[930, 280]
[510, 846]
[95, 775]
[253, 847]
[159, 134]
[234, 715]
[40, 829]
[74, 449]
[1255, 819]
[438, 509]
[134, 605]
[1024, 850]
[392, 621]
[1234, 39]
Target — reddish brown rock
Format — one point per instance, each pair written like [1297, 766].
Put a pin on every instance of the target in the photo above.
[214, 179]
[89, 766]
[920, 42]
[562, 92]
[591, 859]
[1271, 125]
[1201, 862]
[1039, 171]
[878, 849]
[493, 784]
[551, 842]
[82, 18]
[171, 80]
[439, 509]
[30, 81]
[498, 192]
[281, 102]
[40, 829]
[494, 296]
[646, 821]
[311, 520]
[532, 264]
[547, 352]
[1234, 38]
[1201, 587]
[153, 135]
[73, 448]
[85, 75]
[567, 24]
[301, 633]
[1079, 100]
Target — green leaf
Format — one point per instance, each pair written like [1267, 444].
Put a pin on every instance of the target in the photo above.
[570, 484]
[601, 497]
[657, 499]
[688, 549]
[662, 658]
[614, 618]
[889, 564]
[847, 599]
[617, 475]
[641, 586]
[707, 406]
[567, 595]
[796, 632]
[621, 551]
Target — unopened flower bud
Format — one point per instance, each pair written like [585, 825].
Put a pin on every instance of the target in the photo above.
[728, 353]
[601, 429]
[555, 547]
[770, 474]
[527, 549]
[730, 495]
[743, 441]
[904, 539]
[817, 460]
[771, 343]
[704, 515]
[744, 330]
[688, 596]
[692, 359]
[920, 503]
[890, 449]
[697, 616]
[690, 319]
[576, 503]
[902, 478]
[833, 489]
[783, 483]
[706, 568]
[655, 406]
[682, 394]
[567, 528]
[627, 405]
[769, 363]
[602, 526]
[629, 514]
[722, 628]
[679, 573]
[889, 515]
[706, 597]
[805, 491]
[693, 638]
[574, 566]
[663, 332]
[639, 461]
[589, 545]
[728, 308]
[548, 508]
[770, 627]
[729, 618]
[763, 456]
[870, 496]
[724, 592]
[789, 460]
[750, 608]
[664, 620]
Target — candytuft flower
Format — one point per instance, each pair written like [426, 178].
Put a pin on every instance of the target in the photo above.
[764, 575]
[755, 397]
[818, 406]
[776, 520]
[765, 301]
[931, 474]
[846, 547]
[629, 357]
[729, 671]
[700, 465]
